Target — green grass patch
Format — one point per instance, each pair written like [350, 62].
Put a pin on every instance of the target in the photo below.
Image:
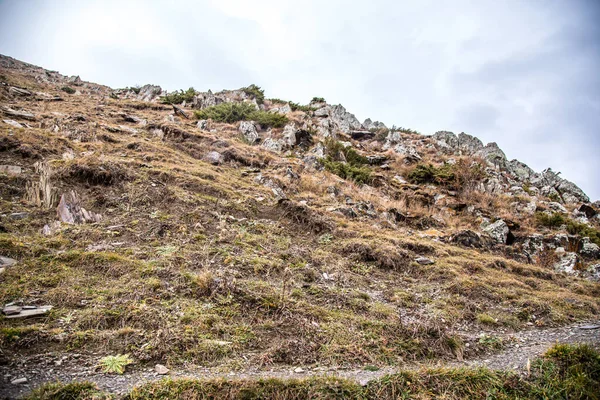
[234, 112]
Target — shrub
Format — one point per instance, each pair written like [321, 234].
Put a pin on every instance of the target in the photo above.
[556, 220]
[179, 97]
[234, 112]
[428, 173]
[67, 89]
[346, 163]
[317, 100]
[256, 92]
[551, 221]
[296, 107]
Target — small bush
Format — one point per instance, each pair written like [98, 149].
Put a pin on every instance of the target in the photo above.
[179, 97]
[256, 92]
[550, 221]
[317, 100]
[346, 163]
[234, 112]
[299, 107]
[428, 173]
[556, 220]
[67, 89]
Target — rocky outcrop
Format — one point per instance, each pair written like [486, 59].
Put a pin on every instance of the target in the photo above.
[69, 210]
[498, 231]
[368, 124]
[248, 130]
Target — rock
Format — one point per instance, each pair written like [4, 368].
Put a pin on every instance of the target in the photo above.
[285, 109]
[411, 156]
[289, 134]
[18, 216]
[556, 207]
[51, 229]
[12, 310]
[273, 145]
[589, 327]
[424, 260]
[213, 157]
[29, 311]
[344, 120]
[594, 272]
[18, 114]
[161, 369]
[128, 129]
[368, 124]
[248, 129]
[149, 92]
[134, 119]
[19, 381]
[493, 155]
[469, 145]
[75, 80]
[69, 210]
[589, 211]
[377, 159]
[298, 370]
[589, 249]
[446, 141]
[362, 135]
[319, 150]
[567, 262]
[11, 169]
[18, 91]
[13, 123]
[7, 262]
[202, 125]
[498, 231]
[520, 171]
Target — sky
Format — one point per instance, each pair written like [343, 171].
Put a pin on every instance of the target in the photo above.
[523, 74]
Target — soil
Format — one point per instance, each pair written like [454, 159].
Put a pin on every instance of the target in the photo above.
[51, 367]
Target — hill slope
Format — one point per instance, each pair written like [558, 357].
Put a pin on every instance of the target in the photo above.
[286, 235]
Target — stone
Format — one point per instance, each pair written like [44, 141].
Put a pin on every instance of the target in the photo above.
[11, 169]
[30, 311]
[12, 310]
[589, 211]
[590, 327]
[362, 135]
[411, 156]
[202, 125]
[51, 229]
[7, 262]
[149, 92]
[75, 80]
[273, 145]
[69, 210]
[498, 231]
[161, 369]
[446, 141]
[13, 123]
[298, 370]
[469, 145]
[19, 92]
[213, 157]
[19, 381]
[289, 134]
[589, 249]
[248, 130]
[567, 262]
[368, 124]
[18, 114]
[424, 260]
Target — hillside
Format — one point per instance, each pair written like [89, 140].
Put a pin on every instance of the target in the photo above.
[232, 232]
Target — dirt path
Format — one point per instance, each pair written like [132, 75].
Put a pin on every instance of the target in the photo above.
[51, 367]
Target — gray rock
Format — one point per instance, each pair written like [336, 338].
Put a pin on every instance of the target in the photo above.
[11, 169]
[589, 249]
[368, 124]
[289, 134]
[519, 170]
[344, 120]
[248, 129]
[7, 262]
[567, 262]
[69, 210]
[492, 154]
[213, 157]
[594, 272]
[273, 145]
[161, 369]
[446, 141]
[424, 260]
[410, 154]
[589, 211]
[13, 123]
[468, 144]
[202, 125]
[19, 381]
[498, 231]
[149, 92]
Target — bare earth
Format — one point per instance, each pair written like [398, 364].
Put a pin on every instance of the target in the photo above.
[50, 367]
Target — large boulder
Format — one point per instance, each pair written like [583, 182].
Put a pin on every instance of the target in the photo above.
[468, 144]
[69, 210]
[344, 120]
[446, 141]
[248, 130]
[368, 124]
[567, 262]
[589, 249]
[498, 231]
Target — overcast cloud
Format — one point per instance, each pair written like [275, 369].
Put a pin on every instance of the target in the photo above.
[525, 74]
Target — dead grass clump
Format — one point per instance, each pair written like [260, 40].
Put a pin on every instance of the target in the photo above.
[301, 214]
[92, 172]
[386, 257]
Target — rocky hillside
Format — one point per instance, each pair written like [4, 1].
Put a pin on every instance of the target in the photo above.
[230, 230]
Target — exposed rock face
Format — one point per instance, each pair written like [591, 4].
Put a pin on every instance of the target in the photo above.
[342, 119]
[368, 124]
[273, 145]
[589, 249]
[69, 210]
[213, 157]
[248, 129]
[567, 262]
[498, 231]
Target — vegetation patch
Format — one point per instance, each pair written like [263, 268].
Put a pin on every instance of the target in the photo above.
[556, 220]
[234, 112]
[179, 97]
[256, 92]
[346, 163]
[67, 89]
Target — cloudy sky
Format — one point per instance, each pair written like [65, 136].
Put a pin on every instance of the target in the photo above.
[525, 74]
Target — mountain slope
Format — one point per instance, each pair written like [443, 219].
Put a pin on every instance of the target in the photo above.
[316, 241]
